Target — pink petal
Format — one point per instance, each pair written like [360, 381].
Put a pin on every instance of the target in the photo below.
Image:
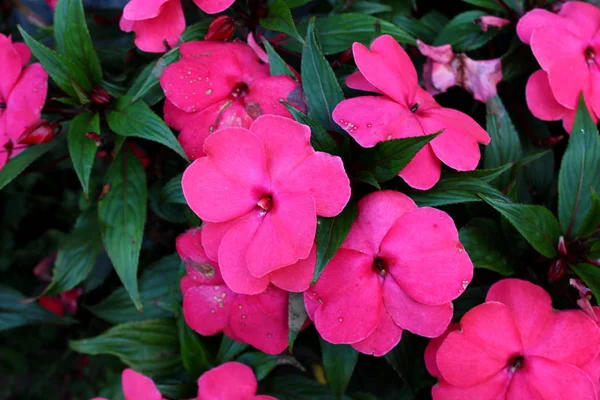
[576, 70]
[481, 77]
[585, 16]
[199, 267]
[176, 118]
[150, 34]
[555, 43]
[350, 298]
[491, 20]
[423, 171]
[439, 77]
[207, 308]
[286, 234]
[357, 80]
[137, 386]
[459, 121]
[24, 52]
[493, 389]
[229, 381]
[251, 66]
[213, 6]
[540, 99]
[382, 340]
[260, 52]
[440, 54]
[266, 94]
[425, 257]
[421, 319]
[538, 18]
[592, 98]
[262, 320]
[296, 277]
[212, 235]
[137, 10]
[487, 341]
[10, 67]
[432, 349]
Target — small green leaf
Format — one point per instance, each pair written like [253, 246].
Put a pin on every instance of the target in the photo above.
[298, 387]
[229, 350]
[147, 85]
[172, 192]
[81, 149]
[138, 120]
[535, 223]
[592, 219]
[339, 361]
[150, 347]
[369, 7]
[276, 64]
[262, 364]
[484, 241]
[320, 139]
[485, 175]
[331, 233]
[194, 354]
[455, 190]
[463, 34]
[196, 31]
[590, 275]
[280, 20]
[367, 177]
[122, 214]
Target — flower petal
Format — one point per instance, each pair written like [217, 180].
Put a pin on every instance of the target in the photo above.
[540, 99]
[24, 52]
[296, 277]
[199, 267]
[207, 308]
[176, 118]
[150, 34]
[535, 19]
[229, 381]
[585, 16]
[357, 80]
[455, 147]
[423, 171]
[213, 6]
[10, 67]
[265, 96]
[382, 340]
[137, 386]
[432, 348]
[492, 389]
[137, 10]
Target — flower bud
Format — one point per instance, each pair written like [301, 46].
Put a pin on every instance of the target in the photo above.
[42, 132]
[222, 28]
[100, 96]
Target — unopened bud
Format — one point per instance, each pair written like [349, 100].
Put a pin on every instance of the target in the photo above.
[562, 247]
[42, 132]
[556, 270]
[222, 28]
[94, 137]
[100, 96]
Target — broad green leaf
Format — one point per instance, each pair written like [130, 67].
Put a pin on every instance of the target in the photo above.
[17, 310]
[276, 64]
[339, 361]
[194, 354]
[331, 233]
[262, 364]
[122, 214]
[592, 219]
[535, 223]
[484, 241]
[320, 139]
[81, 149]
[407, 360]
[463, 34]
[159, 287]
[318, 80]
[138, 120]
[489, 4]
[172, 192]
[369, 7]
[147, 85]
[196, 31]
[485, 175]
[76, 254]
[590, 275]
[280, 20]
[579, 172]
[298, 387]
[297, 317]
[455, 190]
[150, 347]
[229, 350]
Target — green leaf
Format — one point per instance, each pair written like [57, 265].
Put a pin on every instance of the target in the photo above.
[339, 361]
[280, 20]
[331, 233]
[319, 82]
[387, 159]
[296, 317]
[159, 287]
[17, 310]
[455, 190]
[367, 177]
[138, 120]
[172, 192]
[76, 254]
[194, 354]
[590, 275]
[369, 7]
[276, 64]
[535, 223]
[122, 214]
[81, 149]
[579, 172]
[485, 175]
[23, 160]
[262, 364]
[463, 34]
[229, 350]
[298, 387]
[147, 84]
[150, 347]
[320, 139]
[592, 219]
[489, 4]
[407, 360]
[484, 241]
[196, 31]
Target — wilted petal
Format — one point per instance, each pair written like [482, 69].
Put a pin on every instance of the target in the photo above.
[480, 77]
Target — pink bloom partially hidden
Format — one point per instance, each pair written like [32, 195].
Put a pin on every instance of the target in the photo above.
[23, 92]
[489, 20]
[399, 268]
[445, 69]
[406, 110]
[210, 307]
[52, 3]
[567, 46]
[213, 6]
[218, 85]
[156, 23]
[259, 192]
[515, 347]
[59, 304]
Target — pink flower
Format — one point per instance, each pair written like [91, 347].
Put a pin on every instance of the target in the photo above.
[218, 85]
[210, 307]
[489, 20]
[22, 95]
[593, 368]
[399, 268]
[230, 381]
[515, 346]
[52, 3]
[406, 110]
[213, 6]
[445, 69]
[259, 192]
[154, 23]
[566, 45]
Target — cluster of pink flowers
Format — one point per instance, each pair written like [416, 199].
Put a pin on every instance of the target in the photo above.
[229, 381]
[567, 47]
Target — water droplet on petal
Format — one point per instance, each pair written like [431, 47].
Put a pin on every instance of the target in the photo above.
[208, 92]
[341, 319]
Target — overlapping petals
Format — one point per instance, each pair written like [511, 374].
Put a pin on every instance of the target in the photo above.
[399, 268]
[515, 346]
[217, 85]
[406, 110]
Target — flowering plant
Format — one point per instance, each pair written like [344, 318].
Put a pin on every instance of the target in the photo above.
[300, 199]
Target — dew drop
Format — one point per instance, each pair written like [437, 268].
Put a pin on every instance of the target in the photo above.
[240, 307]
[388, 137]
[341, 319]
[212, 310]
[208, 92]
[369, 125]
[269, 335]
[465, 284]
[243, 317]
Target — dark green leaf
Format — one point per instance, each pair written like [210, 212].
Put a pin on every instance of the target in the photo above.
[592, 219]
[229, 350]
[298, 387]
[262, 364]
[535, 223]
[369, 7]
[196, 31]
[339, 361]
[276, 64]
[484, 241]
[463, 34]
[454, 191]
[194, 354]
[296, 317]
[367, 177]
[331, 233]
[489, 4]
[485, 175]
[150, 347]
[280, 20]
[147, 84]
[590, 275]
[138, 120]
[172, 192]
[82, 149]
[122, 214]
[320, 139]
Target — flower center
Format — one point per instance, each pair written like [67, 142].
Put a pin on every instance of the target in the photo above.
[240, 90]
[515, 362]
[266, 203]
[2, 106]
[414, 108]
[380, 265]
[590, 55]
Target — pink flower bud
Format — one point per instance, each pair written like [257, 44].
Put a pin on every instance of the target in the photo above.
[222, 28]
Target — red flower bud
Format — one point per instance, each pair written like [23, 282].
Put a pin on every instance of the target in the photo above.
[222, 28]
[100, 96]
[562, 247]
[346, 56]
[94, 137]
[42, 132]
[557, 270]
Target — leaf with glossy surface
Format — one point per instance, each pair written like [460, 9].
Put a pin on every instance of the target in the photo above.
[82, 149]
[592, 219]
[320, 139]
[484, 241]
[280, 20]
[297, 317]
[229, 350]
[172, 191]
[339, 361]
[147, 85]
[24, 159]
[277, 66]
[454, 191]
[194, 354]
[262, 364]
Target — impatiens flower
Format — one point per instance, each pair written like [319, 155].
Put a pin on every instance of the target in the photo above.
[213, 6]
[406, 110]
[567, 46]
[399, 268]
[222, 28]
[515, 347]
[259, 192]
[136, 386]
[156, 23]
[22, 96]
[489, 20]
[217, 85]
[230, 381]
[593, 368]
[210, 307]
[445, 69]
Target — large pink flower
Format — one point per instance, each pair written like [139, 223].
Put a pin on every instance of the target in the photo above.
[514, 347]
[210, 307]
[154, 23]
[567, 46]
[213, 6]
[23, 92]
[259, 192]
[399, 268]
[137, 386]
[230, 381]
[217, 85]
[406, 110]
[593, 367]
